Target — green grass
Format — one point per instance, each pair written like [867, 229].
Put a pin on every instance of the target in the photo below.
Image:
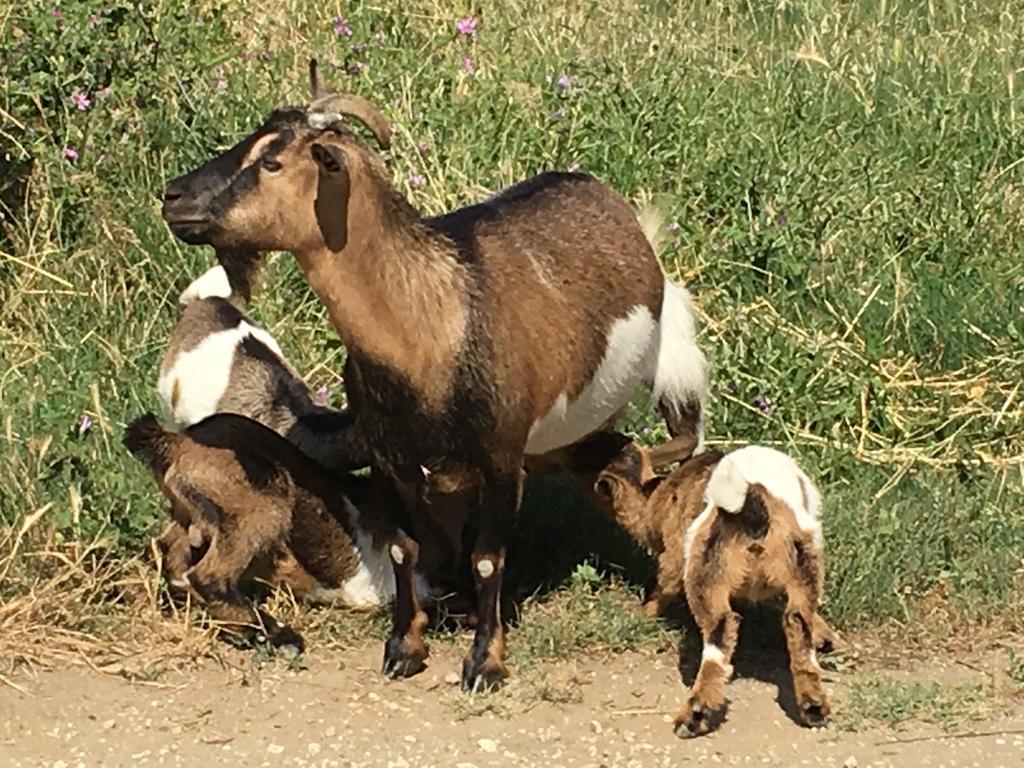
[846, 180]
[895, 703]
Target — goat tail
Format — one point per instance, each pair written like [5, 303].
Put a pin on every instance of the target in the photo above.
[680, 377]
[728, 487]
[146, 439]
[652, 218]
[213, 282]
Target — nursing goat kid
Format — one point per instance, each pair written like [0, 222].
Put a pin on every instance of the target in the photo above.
[507, 329]
[740, 527]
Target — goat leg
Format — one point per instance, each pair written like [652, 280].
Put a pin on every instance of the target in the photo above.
[214, 580]
[501, 493]
[705, 706]
[404, 651]
[797, 622]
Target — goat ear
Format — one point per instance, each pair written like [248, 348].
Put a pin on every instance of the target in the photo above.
[332, 192]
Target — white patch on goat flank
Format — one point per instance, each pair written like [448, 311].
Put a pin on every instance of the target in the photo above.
[485, 568]
[628, 361]
[681, 373]
[202, 374]
[213, 282]
[780, 476]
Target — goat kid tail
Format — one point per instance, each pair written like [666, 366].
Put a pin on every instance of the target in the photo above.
[729, 490]
[213, 282]
[147, 440]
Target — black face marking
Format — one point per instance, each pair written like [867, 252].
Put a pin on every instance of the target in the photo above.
[194, 201]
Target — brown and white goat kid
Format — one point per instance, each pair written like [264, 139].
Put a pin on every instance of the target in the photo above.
[256, 507]
[502, 330]
[218, 360]
[745, 526]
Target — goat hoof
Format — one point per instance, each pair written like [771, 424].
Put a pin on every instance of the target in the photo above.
[482, 675]
[814, 712]
[696, 720]
[288, 641]
[403, 657]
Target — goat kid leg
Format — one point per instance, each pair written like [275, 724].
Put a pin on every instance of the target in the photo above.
[175, 555]
[705, 706]
[214, 580]
[797, 623]
[824, 635]
[501, 493]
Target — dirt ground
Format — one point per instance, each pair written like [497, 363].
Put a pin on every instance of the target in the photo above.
[342, 712]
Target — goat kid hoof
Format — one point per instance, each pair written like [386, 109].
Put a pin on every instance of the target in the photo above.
[403, 658]
[697, 721]
[481, 676]
[814, 712]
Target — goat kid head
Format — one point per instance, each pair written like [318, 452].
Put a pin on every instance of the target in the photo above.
[284, 187]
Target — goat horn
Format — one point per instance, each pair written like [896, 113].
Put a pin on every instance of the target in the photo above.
[317, 87]
[359, 108]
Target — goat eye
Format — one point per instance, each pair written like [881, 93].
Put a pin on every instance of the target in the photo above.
[271, 165]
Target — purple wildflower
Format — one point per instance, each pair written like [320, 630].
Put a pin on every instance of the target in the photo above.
[646, 430]
[673, 227]
[466, 26]
[467, 65]
[103, 92]
[559, 113]
[84, 424]
[94, 21]
[81, 100]
[574, 166]
[564, 80]
[417, 179]
[57, 13]
[359, 67]
[341, 28]
[220, 85]
[322, 396]
[423, 147]
[761, 403]
[783, 220]
[69, 153]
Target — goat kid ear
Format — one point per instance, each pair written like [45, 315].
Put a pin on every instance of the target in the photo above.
[331, 205]
[604, 486]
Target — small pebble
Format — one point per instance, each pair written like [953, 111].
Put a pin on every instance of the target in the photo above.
[488, 745]
[275, 749]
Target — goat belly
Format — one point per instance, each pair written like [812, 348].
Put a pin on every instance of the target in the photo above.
[629, 360]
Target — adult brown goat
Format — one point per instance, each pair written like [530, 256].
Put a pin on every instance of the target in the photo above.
[503, 330]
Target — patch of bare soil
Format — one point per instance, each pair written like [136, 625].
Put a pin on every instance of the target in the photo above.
[342, 712]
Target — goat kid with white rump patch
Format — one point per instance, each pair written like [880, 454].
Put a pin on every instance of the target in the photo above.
[740, 527]
[498, 332]
[253, 506]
